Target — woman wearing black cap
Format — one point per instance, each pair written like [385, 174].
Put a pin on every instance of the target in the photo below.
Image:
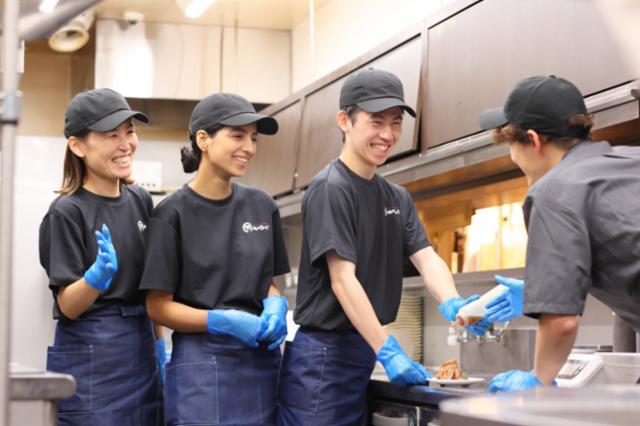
[213, 248]
[91, 245]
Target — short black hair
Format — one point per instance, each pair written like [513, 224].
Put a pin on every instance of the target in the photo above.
[352, 113]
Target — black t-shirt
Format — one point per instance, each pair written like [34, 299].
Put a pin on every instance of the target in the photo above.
[370, 223]
[583, 220]
[68, 244]
[215, 254]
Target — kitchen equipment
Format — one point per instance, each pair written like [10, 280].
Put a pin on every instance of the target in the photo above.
[584, 368]
[602, 405]
[579, 369]
[514, 350]
[458, 334]
[390, 404]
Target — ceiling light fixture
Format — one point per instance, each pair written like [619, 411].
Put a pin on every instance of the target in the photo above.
[197, 8]
[47, 6]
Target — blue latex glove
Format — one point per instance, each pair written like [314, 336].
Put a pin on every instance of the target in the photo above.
[240, 324]
[400, 369]
[514, 380]
[99, 274]
[163, 356]
[479, 328]
[509, 304]
[450, 307]
[274, 315]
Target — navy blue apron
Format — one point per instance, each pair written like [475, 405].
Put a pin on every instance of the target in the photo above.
[110, 352]
[323, 379]
[217, 380]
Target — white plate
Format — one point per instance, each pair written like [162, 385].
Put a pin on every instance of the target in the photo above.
[457, 382]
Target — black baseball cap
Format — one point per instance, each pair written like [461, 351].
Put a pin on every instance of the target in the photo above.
[374, 91]
[229, 109]
[540, 103]
[100, 110]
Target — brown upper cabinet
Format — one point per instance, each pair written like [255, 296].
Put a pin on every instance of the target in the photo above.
[477, 55]
[273, 165]
[321, 140]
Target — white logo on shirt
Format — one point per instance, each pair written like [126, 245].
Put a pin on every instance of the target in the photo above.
[247, 227]
[392, 210]
[141, 226]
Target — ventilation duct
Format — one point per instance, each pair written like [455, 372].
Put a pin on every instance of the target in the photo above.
[74, 35]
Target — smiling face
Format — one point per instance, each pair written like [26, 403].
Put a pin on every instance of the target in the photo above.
[107, 155]
[230, 150]
[369, 137]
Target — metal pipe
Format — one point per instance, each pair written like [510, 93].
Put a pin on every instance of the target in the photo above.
[40, 25]
[9, 118]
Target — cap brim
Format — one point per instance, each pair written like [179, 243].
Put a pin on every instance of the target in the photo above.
[381, 104]
[493, 118]
[115, 119]
[264, 124]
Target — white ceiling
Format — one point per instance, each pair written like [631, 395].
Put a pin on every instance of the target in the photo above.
[278, 14]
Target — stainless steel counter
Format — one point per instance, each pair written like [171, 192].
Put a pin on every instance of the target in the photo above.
[611, 405]
[391, 404]
[431, 394]
[30, 384]
[33, 394]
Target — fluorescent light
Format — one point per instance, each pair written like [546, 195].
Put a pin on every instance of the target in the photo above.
[47, 6]
[197, 8]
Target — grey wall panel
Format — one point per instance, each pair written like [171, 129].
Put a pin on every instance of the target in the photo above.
[476, 56]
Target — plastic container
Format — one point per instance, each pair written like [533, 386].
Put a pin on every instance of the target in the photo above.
[475, 310]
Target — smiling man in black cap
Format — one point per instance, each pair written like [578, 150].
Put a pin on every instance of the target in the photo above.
[358, 229]
[582, 212]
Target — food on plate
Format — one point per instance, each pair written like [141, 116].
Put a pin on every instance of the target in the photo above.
[449, 371]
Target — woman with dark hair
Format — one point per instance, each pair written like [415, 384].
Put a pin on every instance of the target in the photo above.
[91, 245]
[213, 248]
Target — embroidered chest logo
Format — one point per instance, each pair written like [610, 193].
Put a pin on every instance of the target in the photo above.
[391, 210]
[248, 227]
[141, 226]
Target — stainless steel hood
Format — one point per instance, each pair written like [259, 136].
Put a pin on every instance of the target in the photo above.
[162, 60]
[158, 60]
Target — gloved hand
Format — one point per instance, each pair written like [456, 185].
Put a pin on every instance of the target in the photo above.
[450, 307]
[240, 324]
[400, 369]
[514, 380]
[163, 356]
[479, 328]
[99, 274]
[274, 315]
[509, 304]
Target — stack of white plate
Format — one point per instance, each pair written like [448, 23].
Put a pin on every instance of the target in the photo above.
[407, 329]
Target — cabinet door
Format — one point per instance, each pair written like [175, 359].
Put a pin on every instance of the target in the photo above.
[273, 165]
[321, 139]
[476, 56]
[405, 62]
